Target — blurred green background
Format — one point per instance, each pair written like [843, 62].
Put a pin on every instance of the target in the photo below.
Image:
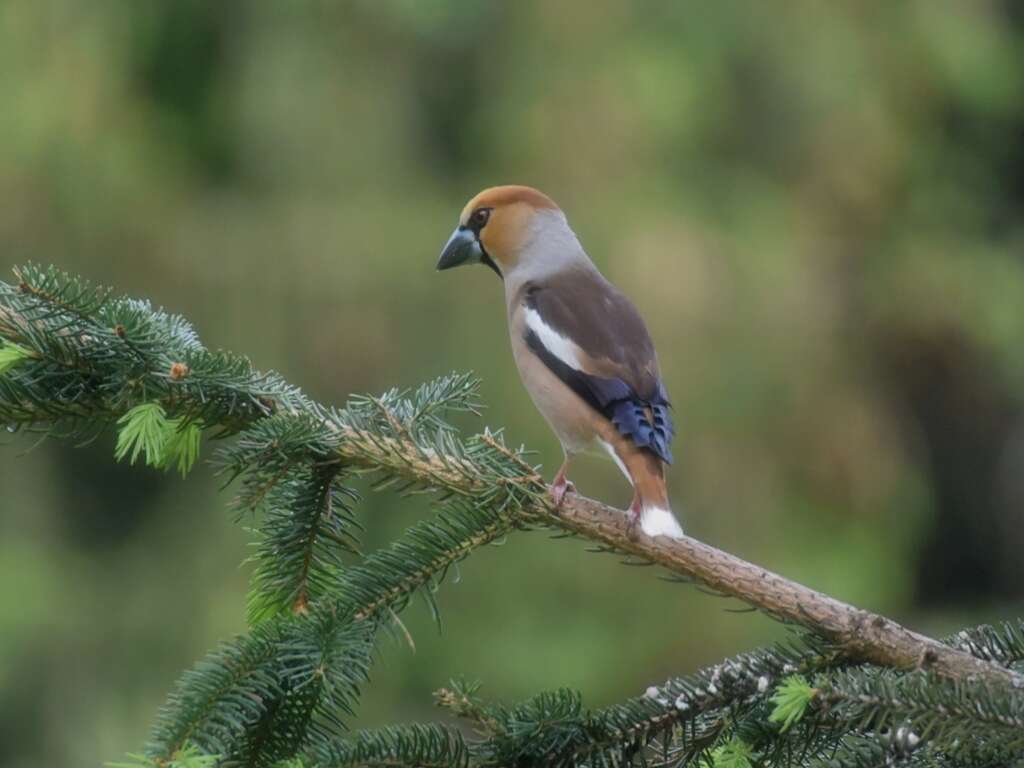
[819, 208]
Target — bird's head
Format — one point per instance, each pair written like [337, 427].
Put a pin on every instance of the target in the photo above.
[506, 228]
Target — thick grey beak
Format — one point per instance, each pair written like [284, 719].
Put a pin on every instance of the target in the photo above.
[461, 248]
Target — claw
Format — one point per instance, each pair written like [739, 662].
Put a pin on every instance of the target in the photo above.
[633, 520]
[561, 487]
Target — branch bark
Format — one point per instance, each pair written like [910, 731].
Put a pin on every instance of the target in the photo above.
[861, 635]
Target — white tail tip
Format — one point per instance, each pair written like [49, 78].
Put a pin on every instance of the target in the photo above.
[655, 521]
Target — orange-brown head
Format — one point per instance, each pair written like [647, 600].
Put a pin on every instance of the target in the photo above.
[497, 227]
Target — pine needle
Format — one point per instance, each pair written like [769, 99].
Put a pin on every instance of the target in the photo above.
[144, 429]
[735, 753]
[11, 355]
[791, 699]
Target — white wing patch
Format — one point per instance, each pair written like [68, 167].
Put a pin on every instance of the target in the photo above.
[557, 344]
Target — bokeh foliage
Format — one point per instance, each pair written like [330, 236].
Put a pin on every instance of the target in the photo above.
[819, 208]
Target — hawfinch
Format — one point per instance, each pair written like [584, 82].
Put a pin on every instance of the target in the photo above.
[581, 348]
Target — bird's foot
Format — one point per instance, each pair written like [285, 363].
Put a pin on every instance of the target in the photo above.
[633, 519]
[559, 488]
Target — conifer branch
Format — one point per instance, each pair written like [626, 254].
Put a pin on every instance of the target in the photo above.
[74, 360]
[855, 715]
[670, 723]
[860, 634]
[415, 746]
[965, 714]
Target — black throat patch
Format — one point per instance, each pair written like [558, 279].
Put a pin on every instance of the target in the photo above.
[485, 258]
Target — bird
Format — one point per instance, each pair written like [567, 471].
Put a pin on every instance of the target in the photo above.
[582, 350]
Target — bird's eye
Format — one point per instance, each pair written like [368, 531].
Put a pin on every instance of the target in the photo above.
[479, 218]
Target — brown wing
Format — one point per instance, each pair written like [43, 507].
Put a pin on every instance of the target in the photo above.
[584, 307]
[618, 373]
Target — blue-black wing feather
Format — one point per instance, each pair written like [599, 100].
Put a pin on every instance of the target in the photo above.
[646, 421]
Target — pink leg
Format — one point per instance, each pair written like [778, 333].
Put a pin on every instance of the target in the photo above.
[561, 485]
[635, 510]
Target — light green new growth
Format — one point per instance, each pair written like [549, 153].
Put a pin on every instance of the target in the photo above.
[181, 446]
[166, 442]
[144, 429]
[10, 355]
[791, 699]
[733, 754]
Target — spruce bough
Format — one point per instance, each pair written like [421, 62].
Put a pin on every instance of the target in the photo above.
[850, 688]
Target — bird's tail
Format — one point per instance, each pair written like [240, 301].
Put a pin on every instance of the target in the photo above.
[651, 501]
[659, 521]
[650, 510]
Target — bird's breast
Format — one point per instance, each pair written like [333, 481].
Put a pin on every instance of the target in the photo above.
[576, 424]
